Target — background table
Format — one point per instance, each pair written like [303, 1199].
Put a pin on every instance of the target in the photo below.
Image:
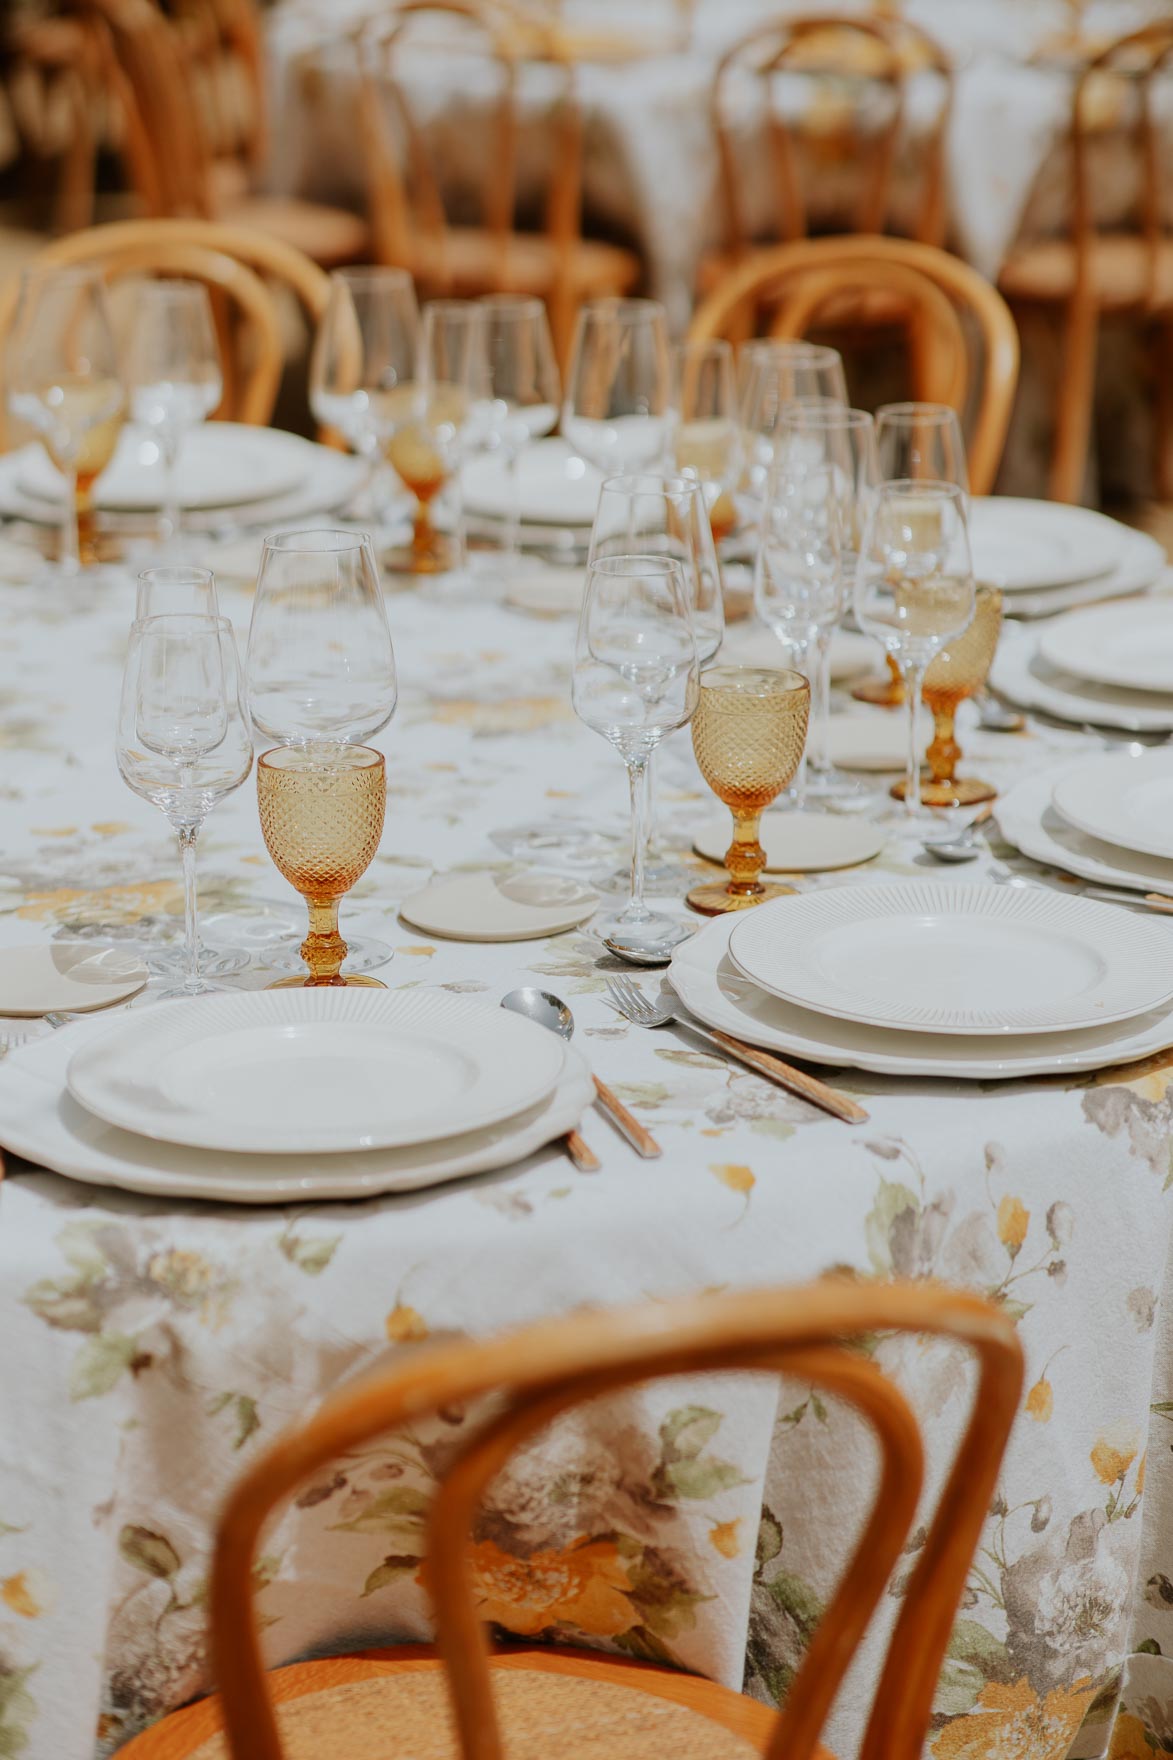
[150, 1350]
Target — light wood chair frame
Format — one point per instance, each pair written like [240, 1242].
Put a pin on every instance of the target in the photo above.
[787, 266]
[548, 1368]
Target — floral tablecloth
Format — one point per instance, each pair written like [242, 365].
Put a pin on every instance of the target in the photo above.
[147, 1351]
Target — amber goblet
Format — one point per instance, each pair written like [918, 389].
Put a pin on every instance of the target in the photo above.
[748, 734]
[322, 818]
[959, 671]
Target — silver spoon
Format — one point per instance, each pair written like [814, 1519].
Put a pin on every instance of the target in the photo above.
[965, 847]
[550, 1011]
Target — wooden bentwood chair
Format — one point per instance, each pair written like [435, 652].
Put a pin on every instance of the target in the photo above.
[936, 291]
[377, 1704]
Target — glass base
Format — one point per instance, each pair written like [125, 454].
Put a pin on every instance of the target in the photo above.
[664, 879]
[838, 791]
[712, 900]
[347, 981]
[363, 954]
[887, 692]
[561, 840]
[258, 930]
[963, 791]
[646, 941]
[169, 990]
[167, 962]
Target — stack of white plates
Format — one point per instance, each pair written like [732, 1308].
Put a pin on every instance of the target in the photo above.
[920, 979]
[1048, 557]
[557, 494]
[278, 1095]
[1106, 819]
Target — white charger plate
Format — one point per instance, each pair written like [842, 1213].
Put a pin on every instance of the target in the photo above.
[1021, 545]
[1027, 819]
[930, 956]
[709, 983]
[315, 1070]
[40, 1121]
[220, 464]
[1125, 799]
[66, 977]
[554, 486]
[1130, 646]
[1024, 677]
[754, 645]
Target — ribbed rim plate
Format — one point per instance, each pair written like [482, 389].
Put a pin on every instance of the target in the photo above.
[1023, 545]
[1130, 646]
[1023, 676]
[1027, 819]
[924, 957]
[322, 1071]
[1123, 800]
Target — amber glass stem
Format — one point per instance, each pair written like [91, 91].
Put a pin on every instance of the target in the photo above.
[421, 529]
[323, 949]
[745, 858]
[944, 751]
[70, 557]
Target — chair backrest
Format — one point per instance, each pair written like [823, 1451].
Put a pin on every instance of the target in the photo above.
[53, 73]
[542, 1371]
[851, 72]
[872, 264]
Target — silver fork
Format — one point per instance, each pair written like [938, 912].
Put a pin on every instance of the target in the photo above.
[630, 1001]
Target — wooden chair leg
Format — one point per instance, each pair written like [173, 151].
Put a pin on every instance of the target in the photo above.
[1163, 410]
[1073, 412]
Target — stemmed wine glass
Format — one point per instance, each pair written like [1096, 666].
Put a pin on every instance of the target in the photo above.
[362, 365]
[706, 437]
[173, 375]
[523, 394]
[61, 368]
[773, 375]
[635, 680]
[449, 398]
[914, 587]
[184, 741]
[617, 393]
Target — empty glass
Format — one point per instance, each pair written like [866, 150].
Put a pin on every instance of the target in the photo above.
[617, 393]
[771, 376]
[635, 680]
[523, 394]
[62, 375]
[165, 592]
[706, 436]
[184, 741]
[173, 374]
[914, 587]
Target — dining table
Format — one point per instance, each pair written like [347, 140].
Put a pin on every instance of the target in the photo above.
[153, 1346]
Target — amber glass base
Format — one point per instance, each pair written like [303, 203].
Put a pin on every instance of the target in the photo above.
[712, 900]
[963, 791]
[888, 693]
[344, 982]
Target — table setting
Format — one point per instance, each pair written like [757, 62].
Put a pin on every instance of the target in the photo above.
[334, 1017]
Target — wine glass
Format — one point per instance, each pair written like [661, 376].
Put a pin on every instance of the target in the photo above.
[322, 818]
[451, 389]
[748, 735]
[184, 741]
[61, 368]
[177, 591]
[616, 398]
[173, 375]
[706, 438]
[524, 391]
[914, 587]
[362, 365]
[913, 440]
[773, 375]
[959, 671]
[635, 680]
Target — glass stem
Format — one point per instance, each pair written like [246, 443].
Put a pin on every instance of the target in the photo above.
[169, 508]
[513, 503]
[637, 776]
[820, 743]
[70, 541]
[914, 677]
[798, 785]
[191, 941]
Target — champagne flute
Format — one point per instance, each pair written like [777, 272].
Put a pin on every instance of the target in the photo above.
[706, 438]
[748, 735]
[61, 368]
[184, 741]
[451, 387]
[524, 391]
[773, 375]
[959, 671]
[616, 399]
[635, 680]
[914, 587]
[173, 375]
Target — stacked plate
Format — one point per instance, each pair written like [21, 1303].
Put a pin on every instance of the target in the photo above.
[1047, 557]
[1111, 666]
[269, 1096]
[557, 494]
[1105, 819]
[920, 979]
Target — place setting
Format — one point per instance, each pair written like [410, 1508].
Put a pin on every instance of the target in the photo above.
[1109, 666]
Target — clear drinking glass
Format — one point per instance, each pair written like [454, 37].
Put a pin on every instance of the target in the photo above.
[165, 592]
[524, 391]
[706, 435]
[914, 587]
[62, 374]
[771, 376]
[635, 680]
[617, 394]
[447, 403]
[173, 375]
[184, 741]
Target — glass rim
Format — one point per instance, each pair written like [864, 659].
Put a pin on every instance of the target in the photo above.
[176, 573]
[710, 678]
[470, 308]
[371, 756]
[626, 308]
[941, 413]
[523, 304]
[791, 348]
[637, 562]
[909, 488]
[657, 483]
[333, 542]
[823, 412]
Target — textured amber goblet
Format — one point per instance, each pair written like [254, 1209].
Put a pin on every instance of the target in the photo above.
[322, 819]
[959, 671]
[748, 733]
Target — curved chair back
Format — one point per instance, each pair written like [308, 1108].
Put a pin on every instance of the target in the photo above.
[545, 1369]
[874, 264]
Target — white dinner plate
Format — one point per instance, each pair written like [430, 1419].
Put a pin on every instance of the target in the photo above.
[1125, 800]
[220, 464]
[798, 843]
[41, 1121]
[324, 1071]
[930, 956]
[709, 983]
[1130, 646]
[66, 977]
[554, 486]
[753, 645]
[1025, 678]
[1022, 545]
[1027, 819]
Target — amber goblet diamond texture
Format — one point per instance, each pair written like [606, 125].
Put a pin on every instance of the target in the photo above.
[748, 734]
[959, 671]
[322, 818]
